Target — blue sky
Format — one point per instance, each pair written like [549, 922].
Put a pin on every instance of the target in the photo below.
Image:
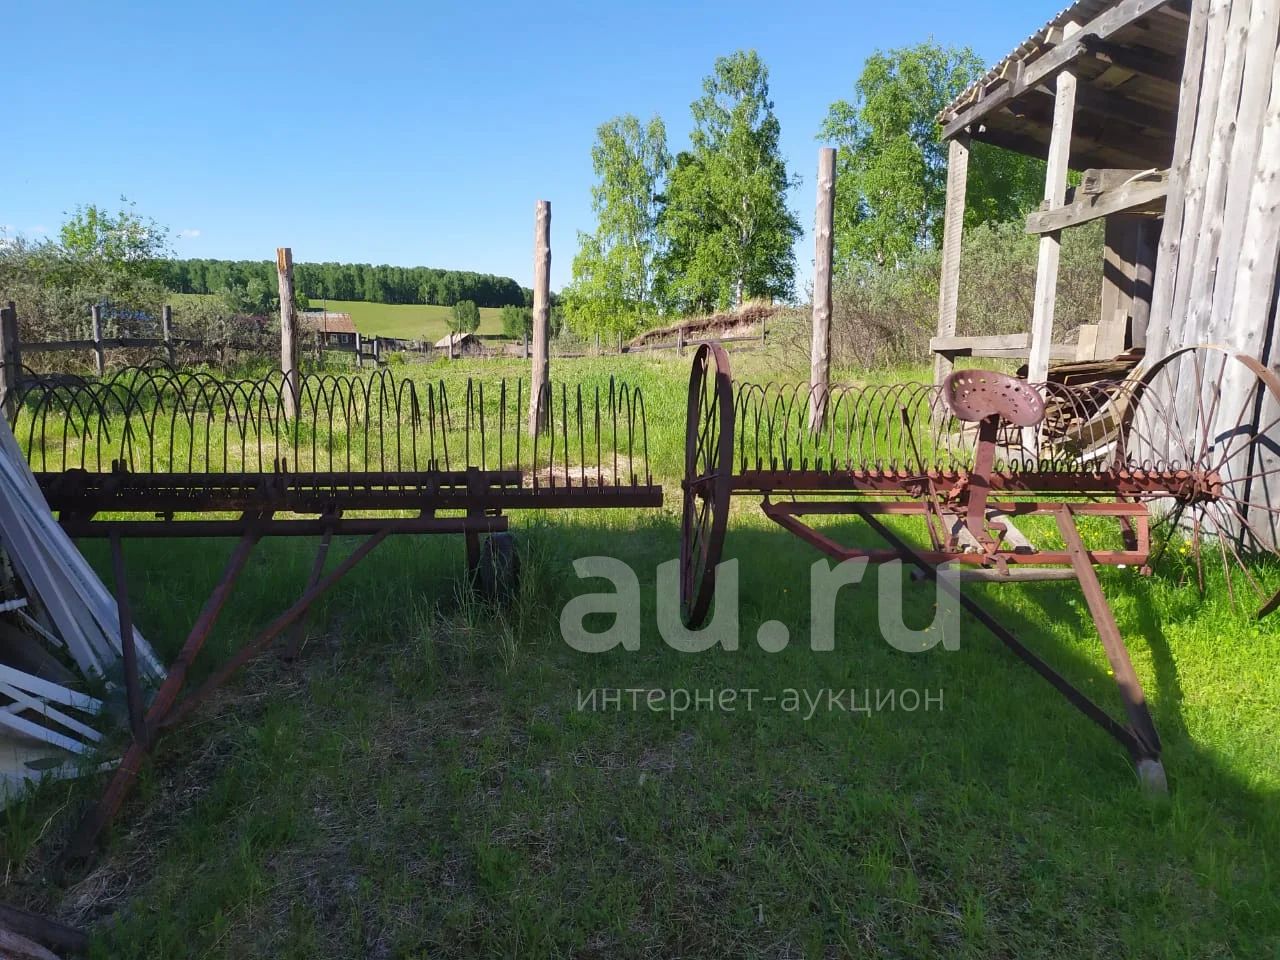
[412, 134]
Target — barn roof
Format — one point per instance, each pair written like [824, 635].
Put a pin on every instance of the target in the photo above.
[313, 320]
[1127, 56]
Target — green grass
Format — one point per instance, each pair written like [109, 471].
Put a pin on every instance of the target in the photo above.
[422, 782]
[408, 321]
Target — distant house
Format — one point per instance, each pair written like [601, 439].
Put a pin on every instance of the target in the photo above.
[337, 329]
[463, 343]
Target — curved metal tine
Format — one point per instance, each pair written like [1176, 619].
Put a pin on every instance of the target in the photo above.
[613, 415]
[599, 465]
[564, 419]
[445, 424]
[644, 429]
[466, 435]
[502, 421]
[484, 461]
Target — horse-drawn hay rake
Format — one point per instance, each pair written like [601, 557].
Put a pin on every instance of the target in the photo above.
[152, 452]
[1192, 444]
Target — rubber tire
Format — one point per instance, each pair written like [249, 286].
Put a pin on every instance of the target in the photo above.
[497, 575]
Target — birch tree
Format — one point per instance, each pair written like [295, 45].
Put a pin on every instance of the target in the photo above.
[615, 272]
[726, 224]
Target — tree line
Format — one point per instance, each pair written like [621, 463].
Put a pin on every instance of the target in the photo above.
[346, 281]
[710, 228]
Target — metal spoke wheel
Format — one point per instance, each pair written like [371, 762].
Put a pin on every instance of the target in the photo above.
[1215, 413]
[708, 464]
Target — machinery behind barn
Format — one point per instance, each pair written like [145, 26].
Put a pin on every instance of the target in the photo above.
[1171, 111]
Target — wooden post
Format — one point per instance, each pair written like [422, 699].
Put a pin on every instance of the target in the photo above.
[1119, 269]
[359, 349]
[952, 247]
[597, 343]
[541, 383]
[166, 333]
[10, 358]
[619, 343]
[680, 341]
[288, 332]
[1055, 195]
[1148, 245]
[95, 334]
[823, 248]
[377, 351]
[524, 345]
[762, 330]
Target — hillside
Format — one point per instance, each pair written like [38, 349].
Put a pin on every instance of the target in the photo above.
[408, 321]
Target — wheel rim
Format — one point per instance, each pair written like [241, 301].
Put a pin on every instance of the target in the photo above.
[1215, 413]
[707, 468]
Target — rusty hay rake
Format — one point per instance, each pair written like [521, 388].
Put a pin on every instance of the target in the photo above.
[1191, 445]
[154, 452]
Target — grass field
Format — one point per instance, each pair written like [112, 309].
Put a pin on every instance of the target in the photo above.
[409, 321]
[406, 321]
[426, 782]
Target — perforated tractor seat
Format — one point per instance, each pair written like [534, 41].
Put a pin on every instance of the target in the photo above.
[974, 395]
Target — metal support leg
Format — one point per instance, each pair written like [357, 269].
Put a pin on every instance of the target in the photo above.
[1135, 701]
[298, 632]
[128, 649]
[126, 773]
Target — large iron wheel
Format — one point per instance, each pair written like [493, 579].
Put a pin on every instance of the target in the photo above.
[708, 464]
[1215, 413]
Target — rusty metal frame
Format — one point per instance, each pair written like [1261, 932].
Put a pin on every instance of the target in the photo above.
[983, 461]
[112, 461]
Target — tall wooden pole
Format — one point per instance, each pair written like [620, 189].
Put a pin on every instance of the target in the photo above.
[541, 383]
[1055, 195]
[166, 333]
[95, 332]
[823, 249]
[10, 358]
[288, 332]
[952, 248]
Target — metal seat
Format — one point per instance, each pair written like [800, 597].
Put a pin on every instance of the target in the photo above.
[974, 395]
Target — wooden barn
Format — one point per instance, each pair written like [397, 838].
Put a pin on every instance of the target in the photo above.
[1170, 112]
[337, 329]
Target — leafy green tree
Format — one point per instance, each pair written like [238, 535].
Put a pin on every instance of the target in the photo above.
[465, 317]
[114, 253]
[726, 221]
[614, 272]
[516, 321]
[891, 164]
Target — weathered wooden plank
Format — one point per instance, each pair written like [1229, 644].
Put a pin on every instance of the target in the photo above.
[1149, 63]
[952, 241]
[824, 248]
[1119, 267]
[1055, 190]
[1260, 57]
[1012, 346]
[1212, 223]
[1145, 194]
[1146, 247]
[1175, 202]
[1197, 180]
[1086, 342]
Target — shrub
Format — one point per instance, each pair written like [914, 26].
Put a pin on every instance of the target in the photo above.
[886, 316]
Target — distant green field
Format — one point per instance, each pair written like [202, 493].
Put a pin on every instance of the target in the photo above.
[408, 321]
